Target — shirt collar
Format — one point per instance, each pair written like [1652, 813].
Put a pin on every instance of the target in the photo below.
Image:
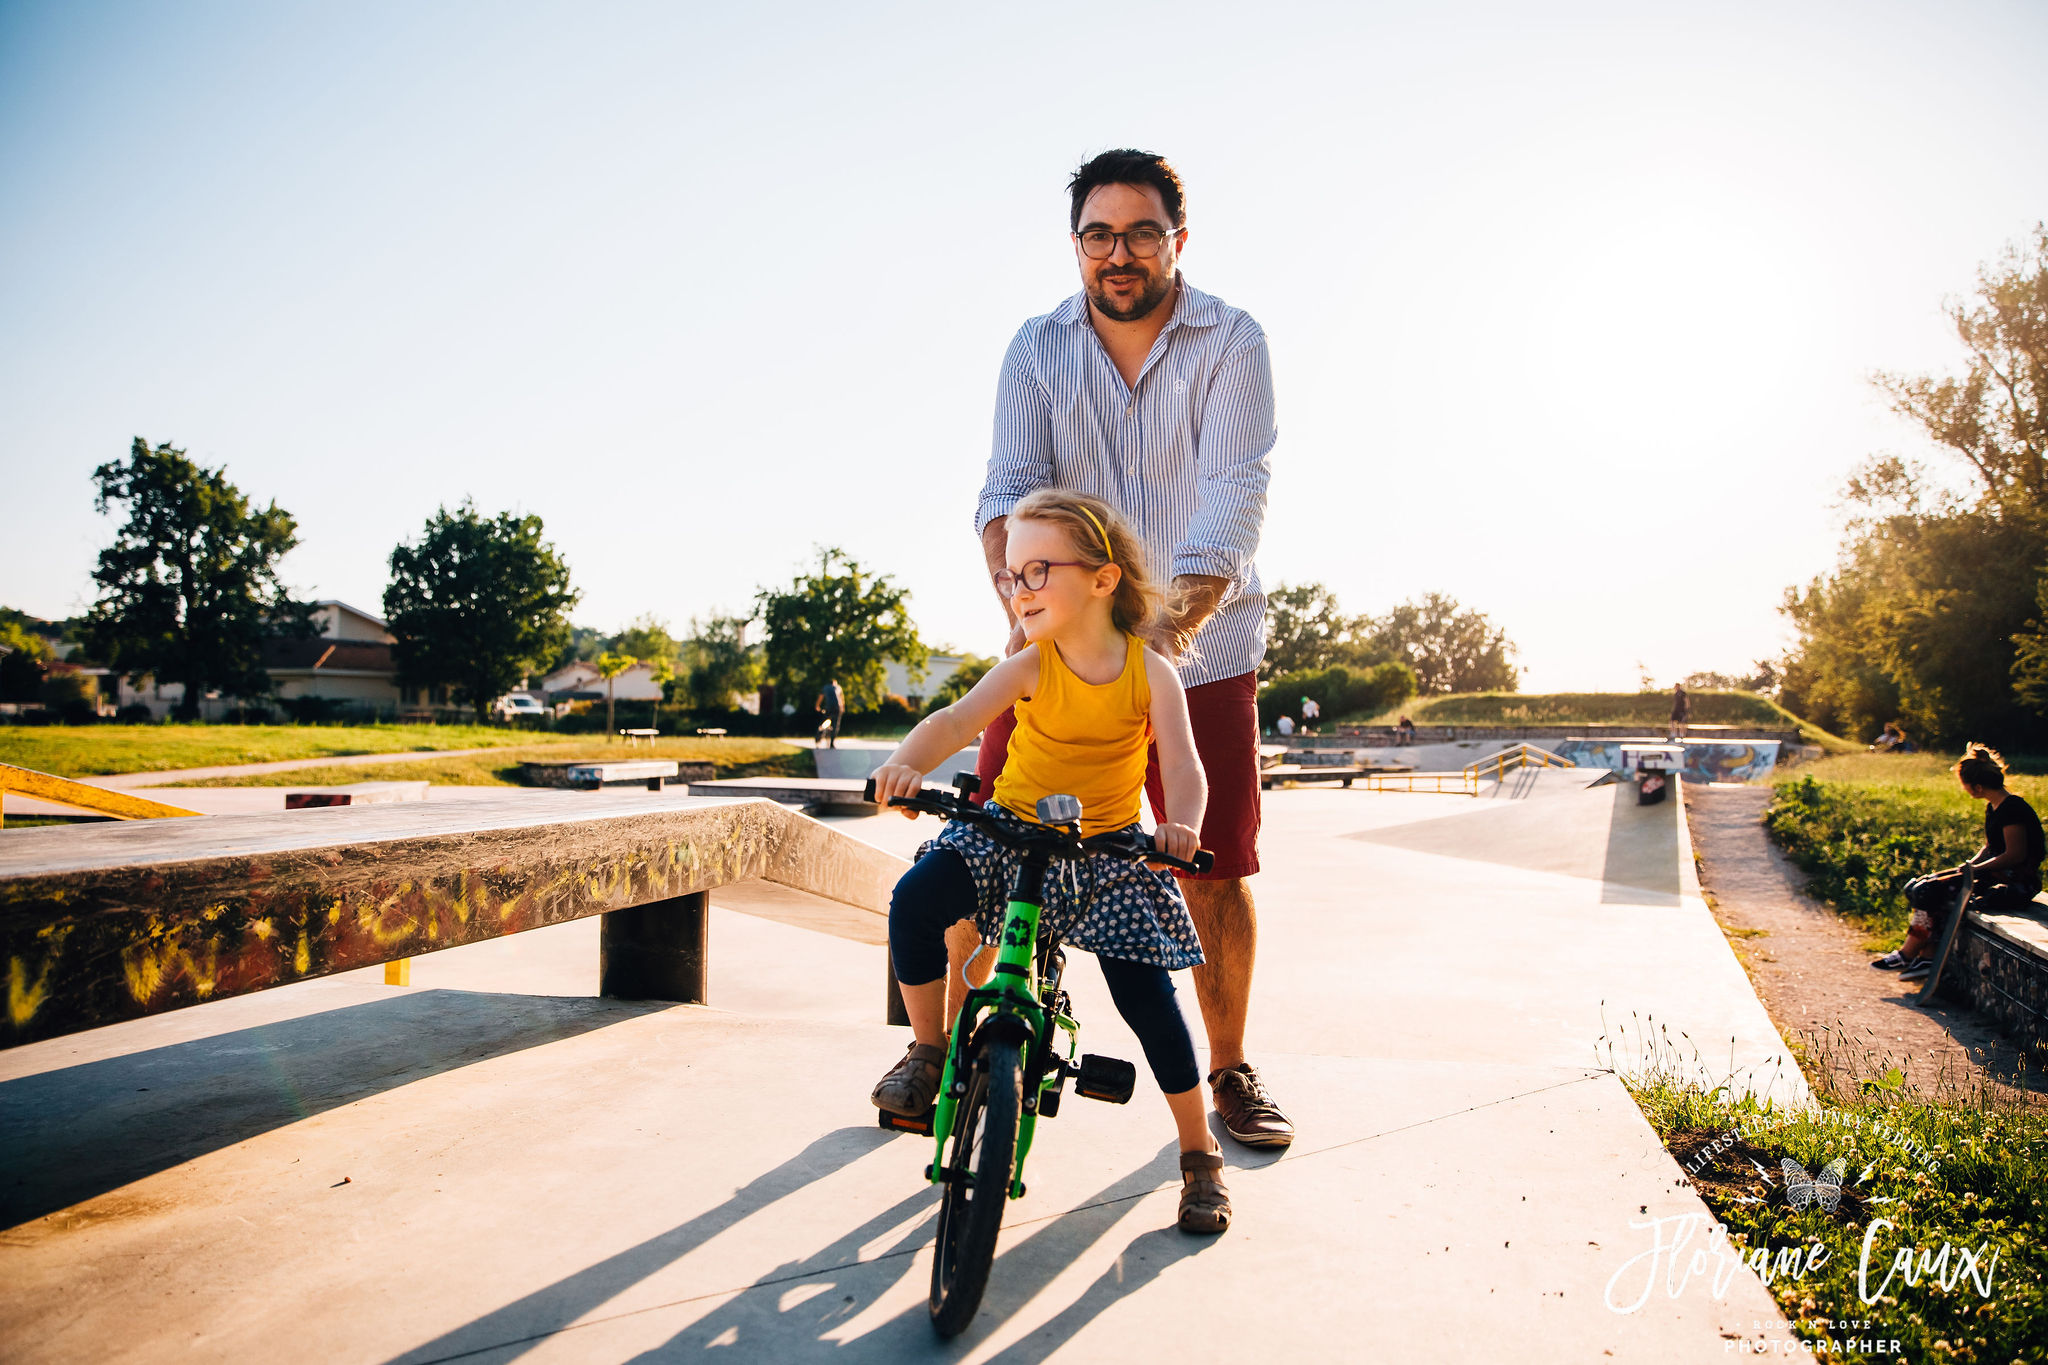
[1191, 308]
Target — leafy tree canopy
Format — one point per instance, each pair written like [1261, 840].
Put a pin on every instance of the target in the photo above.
[1449, 648]
[839, 621]
[973, 668]
[189, 590]
[718, 662]
[1936, 614]
[1306, 630]
[476, 604]
[647, 639]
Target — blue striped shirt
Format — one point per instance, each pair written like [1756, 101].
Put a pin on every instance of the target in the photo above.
[1184, 454]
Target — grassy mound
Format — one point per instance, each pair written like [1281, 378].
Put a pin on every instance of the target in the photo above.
[92, 750]
[1651, 710]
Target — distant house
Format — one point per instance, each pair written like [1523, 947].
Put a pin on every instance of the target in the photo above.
[937, 669]
[348, 663]
[580, 681]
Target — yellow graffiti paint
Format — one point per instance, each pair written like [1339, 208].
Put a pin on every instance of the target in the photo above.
[23, 1000]
[302, 960]
[144, 972]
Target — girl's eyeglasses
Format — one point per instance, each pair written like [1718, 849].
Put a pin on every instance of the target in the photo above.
[1033, 574]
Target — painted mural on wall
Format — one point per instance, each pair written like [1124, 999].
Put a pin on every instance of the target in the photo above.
[1708, 760]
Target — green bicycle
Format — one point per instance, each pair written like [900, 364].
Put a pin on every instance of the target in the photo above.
[1005, 1068]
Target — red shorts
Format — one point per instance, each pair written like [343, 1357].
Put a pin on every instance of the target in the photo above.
[1225, 718]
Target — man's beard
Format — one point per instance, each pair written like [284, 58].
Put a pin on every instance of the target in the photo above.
[1157, 287]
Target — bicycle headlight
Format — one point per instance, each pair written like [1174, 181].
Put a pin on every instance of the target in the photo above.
[1059, 809]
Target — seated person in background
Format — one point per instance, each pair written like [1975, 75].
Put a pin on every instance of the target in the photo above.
[1285, 725]
[1404, 733]
[2008, 867]
[1889, 740]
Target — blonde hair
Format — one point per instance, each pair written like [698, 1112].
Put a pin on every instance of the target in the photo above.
[1089, 523]
[1983, 767]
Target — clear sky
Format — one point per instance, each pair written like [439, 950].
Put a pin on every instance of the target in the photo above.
[1572, 307]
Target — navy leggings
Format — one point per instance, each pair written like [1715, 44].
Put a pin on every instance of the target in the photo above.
[938, 892]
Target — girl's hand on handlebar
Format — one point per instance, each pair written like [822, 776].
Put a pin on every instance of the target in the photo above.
[897, 779]
[1177, 840]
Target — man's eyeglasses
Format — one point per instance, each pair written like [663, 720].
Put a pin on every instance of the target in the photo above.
[1033, 575]
[1099, 244]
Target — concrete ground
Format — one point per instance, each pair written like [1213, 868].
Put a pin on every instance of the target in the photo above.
[496, 1165]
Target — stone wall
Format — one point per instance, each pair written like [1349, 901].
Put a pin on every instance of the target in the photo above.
[1999, 966]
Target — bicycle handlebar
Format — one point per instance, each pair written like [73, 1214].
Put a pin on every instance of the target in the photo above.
[1132, 847]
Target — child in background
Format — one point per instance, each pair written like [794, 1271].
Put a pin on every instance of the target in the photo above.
[1090, 698]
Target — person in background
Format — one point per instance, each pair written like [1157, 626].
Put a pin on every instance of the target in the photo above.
[2007, 868]
[832, 701]
[1681, 707]
[1285, 725]
[1404, 733]
[1311, 712]
[1888, 741]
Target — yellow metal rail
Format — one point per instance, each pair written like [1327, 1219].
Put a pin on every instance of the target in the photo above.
[100, 800]
[1464, 783]
[1516, 756]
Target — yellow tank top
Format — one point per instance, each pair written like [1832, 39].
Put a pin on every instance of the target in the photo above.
[1083, 739]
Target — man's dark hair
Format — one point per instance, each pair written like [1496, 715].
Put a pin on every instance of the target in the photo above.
[1128, 166]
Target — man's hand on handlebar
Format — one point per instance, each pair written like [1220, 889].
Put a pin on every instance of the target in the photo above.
[1176, 840]
[897, 779]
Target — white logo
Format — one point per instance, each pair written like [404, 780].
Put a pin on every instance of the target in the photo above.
[1180, 386]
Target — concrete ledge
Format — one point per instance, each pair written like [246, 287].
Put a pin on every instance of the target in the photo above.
[100, 923]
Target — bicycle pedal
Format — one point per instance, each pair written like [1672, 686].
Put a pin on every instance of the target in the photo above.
[898, 1123]
[1105, 1078]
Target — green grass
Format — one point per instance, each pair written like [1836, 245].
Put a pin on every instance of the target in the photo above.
[92, 750]
[1652, 710]
[731, 757]
[1953, 1157]
[1862, 825]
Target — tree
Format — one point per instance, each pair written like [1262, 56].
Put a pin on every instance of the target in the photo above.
[840, 622]
[1450, 649]
[1936, 614]
[476, 604]
[718, 662]
[24, 657]
[1307, 631]
[972, 670]
[609, 666]
[189, 590]
[648, 640]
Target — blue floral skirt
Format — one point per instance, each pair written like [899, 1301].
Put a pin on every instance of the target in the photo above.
[1103, 905]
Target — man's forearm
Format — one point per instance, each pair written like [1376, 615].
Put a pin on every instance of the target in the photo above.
[995, 546]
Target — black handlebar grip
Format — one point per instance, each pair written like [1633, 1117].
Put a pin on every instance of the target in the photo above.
[1204, 860]
[868, 792]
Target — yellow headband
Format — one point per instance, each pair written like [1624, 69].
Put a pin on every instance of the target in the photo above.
[1107, 553]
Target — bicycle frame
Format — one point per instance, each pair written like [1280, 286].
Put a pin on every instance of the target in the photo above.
[1016, 997]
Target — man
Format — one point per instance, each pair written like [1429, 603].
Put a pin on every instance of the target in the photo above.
[1311, 712]
[1681, 711]
[1158, 398]
[832, 701]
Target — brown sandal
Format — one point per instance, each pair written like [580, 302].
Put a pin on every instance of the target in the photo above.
[912, 1083]
[1204, 1202]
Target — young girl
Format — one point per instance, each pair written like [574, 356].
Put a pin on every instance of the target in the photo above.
[1089, 698]
[2008, 867]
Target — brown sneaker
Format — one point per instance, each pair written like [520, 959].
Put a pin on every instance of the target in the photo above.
[911, 1084]
[1249, 1114]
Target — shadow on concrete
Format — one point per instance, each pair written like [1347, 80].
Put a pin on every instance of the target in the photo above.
[793, 1312]
[1643, 849]
[78, 1132]
[525, 1322]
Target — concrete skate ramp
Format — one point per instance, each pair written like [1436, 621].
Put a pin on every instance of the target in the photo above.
[1638, 853]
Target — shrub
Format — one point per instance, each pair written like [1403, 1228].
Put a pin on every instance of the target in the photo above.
[1339, 690]
[1860, 844]
[134, 713]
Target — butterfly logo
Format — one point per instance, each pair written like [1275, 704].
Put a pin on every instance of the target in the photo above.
[1824, 1189]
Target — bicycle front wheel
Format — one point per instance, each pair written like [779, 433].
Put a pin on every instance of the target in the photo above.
[971, 1213]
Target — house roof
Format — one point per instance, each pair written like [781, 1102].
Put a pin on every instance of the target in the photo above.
[353, 656]
[378, 621]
